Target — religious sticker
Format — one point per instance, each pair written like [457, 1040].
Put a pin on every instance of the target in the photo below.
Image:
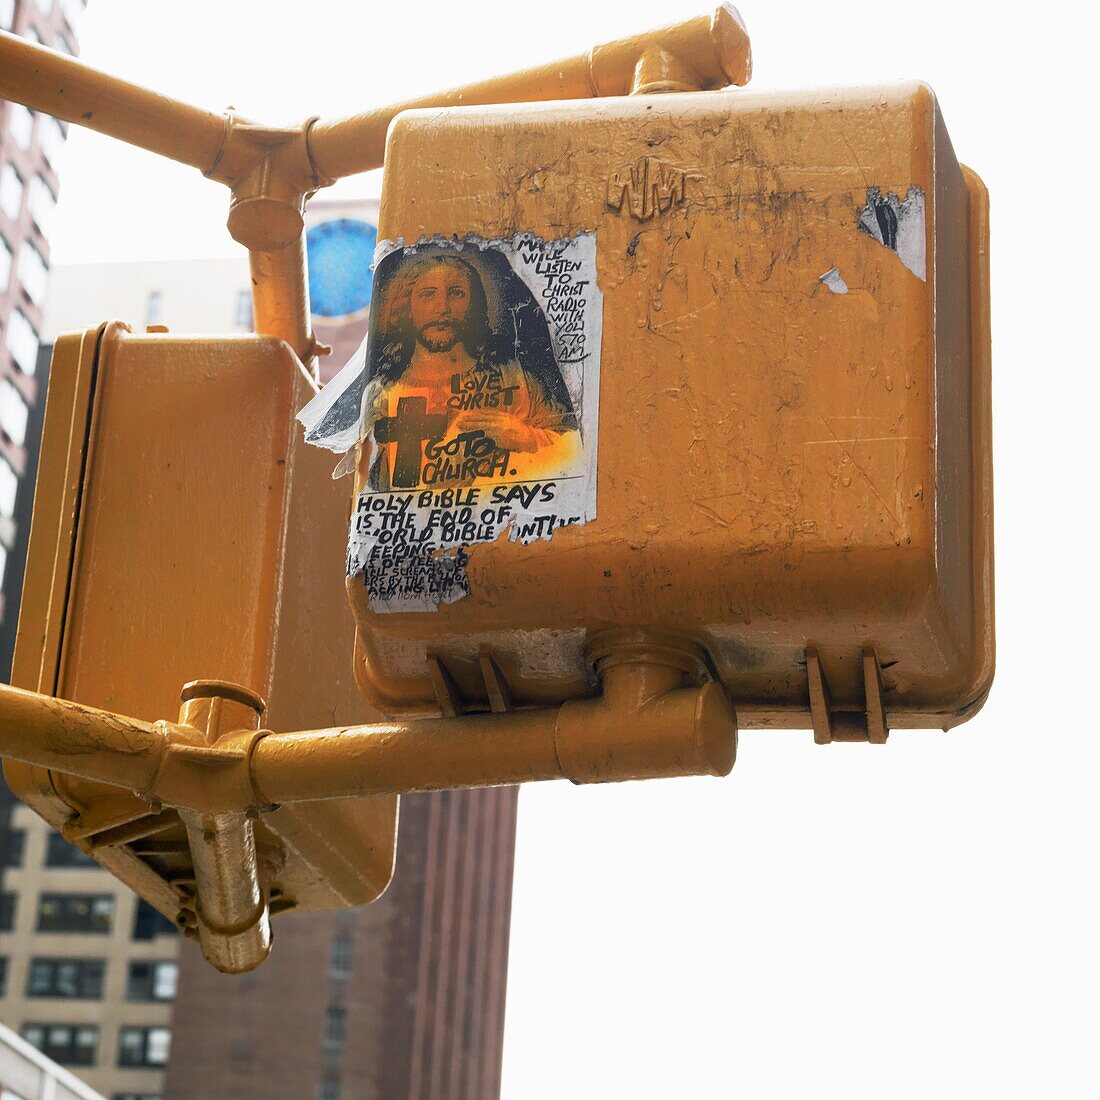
[474, 403]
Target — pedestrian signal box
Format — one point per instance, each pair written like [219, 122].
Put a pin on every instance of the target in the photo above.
[709, 366]
[178, 517]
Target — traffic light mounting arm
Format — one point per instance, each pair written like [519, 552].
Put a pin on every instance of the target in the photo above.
[214, 765]
[222, 772]
[273, 170]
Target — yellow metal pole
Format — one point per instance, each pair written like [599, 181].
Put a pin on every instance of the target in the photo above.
[220, 772]
[714, 48]
[273, 170]
[231, 911]
[280, 297]
[58, 85]
[644, 726]
[84, 741]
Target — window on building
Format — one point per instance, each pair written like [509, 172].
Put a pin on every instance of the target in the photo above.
[3, 976]
[7, 912]
[150, 923]
[16, 846]
[22, 342]
[7, 13]
[154, 308]
[243, 318]
[33, 273]
[60, 853]
[72, 979]
[9, 488]
[336, 1028]
[13, 413]
[11, 192]
[340, 959]
[41, 202]
[152, 981]
[52, 139]
[69, 1044]
[329, 1090]
[5, 265]
[75, 913]
[21, 125]
[144, 1046]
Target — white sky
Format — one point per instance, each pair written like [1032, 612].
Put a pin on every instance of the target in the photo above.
[918, 920]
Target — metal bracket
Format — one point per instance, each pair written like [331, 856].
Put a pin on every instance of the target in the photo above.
[446, 690]
[496, 685]
[847, 725]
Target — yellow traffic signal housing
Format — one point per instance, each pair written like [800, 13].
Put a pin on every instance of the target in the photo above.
[170, 471]
[675, 401]
[785, 419]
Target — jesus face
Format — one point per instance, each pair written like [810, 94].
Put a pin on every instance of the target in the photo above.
[438, 303]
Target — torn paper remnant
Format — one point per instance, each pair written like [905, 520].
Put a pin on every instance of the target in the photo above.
[898, 224]
[477, 404]
[333, 419]
[834, 281]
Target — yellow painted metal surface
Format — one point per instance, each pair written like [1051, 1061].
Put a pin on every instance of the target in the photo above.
[783, 464]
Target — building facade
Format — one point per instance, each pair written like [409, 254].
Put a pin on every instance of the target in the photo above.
[401, 1000]
[89, 971]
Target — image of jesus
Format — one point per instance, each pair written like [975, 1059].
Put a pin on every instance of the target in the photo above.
[450, 409]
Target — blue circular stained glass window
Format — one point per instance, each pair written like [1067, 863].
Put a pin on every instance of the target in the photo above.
[340, 253]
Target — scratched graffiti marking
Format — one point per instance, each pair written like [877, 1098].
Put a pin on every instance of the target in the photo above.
[647, 187]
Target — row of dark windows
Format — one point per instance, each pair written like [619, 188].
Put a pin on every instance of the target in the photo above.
[334, 1034]
[82, 979]
[78, 1044]
[59, 852]
[89, 913]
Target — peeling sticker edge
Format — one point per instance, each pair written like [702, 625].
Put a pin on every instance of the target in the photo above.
[899, 225]
[834, 281]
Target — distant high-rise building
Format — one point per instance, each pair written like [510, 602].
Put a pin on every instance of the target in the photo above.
[91, 971]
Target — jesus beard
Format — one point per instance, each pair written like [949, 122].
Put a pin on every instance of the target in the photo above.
[446, 335]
